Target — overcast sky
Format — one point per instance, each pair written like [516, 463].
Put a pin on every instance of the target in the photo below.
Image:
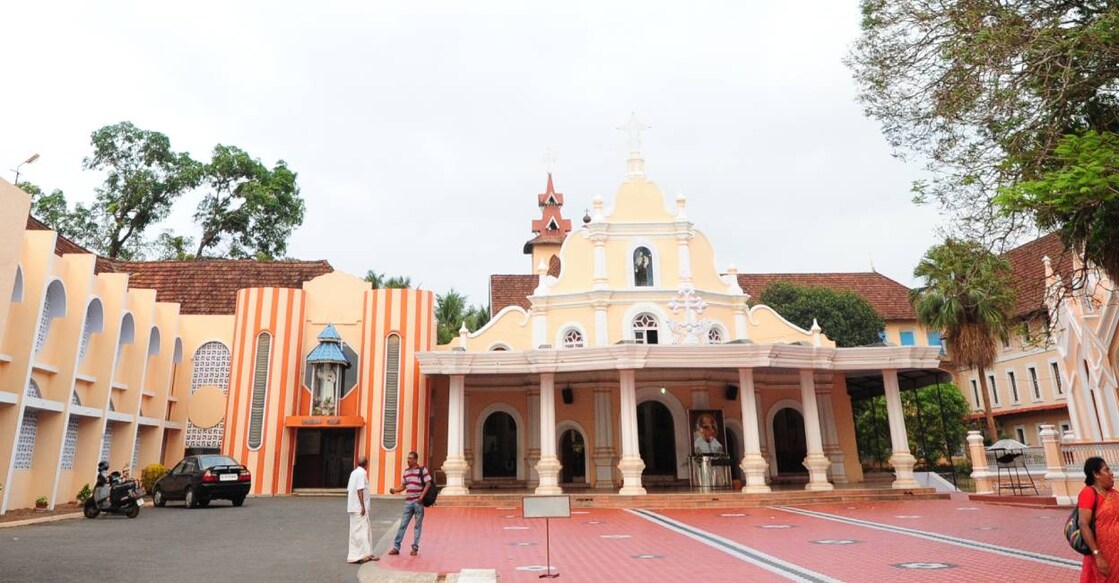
[418, 129]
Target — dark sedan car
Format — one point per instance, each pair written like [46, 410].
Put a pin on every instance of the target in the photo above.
[198, 479]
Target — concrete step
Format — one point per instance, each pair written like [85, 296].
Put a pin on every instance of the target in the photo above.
[698, 500]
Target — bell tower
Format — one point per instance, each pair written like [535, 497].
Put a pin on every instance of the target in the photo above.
[550, 230]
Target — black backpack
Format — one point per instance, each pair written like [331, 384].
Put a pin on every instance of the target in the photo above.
[432, 492]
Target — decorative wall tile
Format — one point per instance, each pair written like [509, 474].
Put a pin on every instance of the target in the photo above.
[25, 446]
[70, 445]
[210, 368]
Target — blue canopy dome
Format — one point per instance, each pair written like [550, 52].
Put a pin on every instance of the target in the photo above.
[329, 350]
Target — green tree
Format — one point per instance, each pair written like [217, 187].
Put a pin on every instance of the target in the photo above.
[845, 317]
[1079, 196]
[935, 421]
[171, 246]
[75, 223]
[1001, 97]
[476, 317]
[968, 294]
[143, 178]
[450, 311]
[246, 210]
[380, 280]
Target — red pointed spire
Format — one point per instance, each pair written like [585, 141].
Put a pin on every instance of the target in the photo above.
[551, 227]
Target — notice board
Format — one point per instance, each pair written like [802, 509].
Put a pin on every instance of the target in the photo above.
[546, 507]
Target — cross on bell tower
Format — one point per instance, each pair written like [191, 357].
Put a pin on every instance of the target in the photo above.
[635, 163]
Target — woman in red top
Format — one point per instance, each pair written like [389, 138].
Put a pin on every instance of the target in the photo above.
[1098, 499]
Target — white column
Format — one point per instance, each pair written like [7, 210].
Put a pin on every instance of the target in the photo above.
[604, 458]
[900, 458]
[455, 467]
[600, 277]
[753, 464]
[631, 464]
[532, 430]
[741, 331]
[601, 324]
[549, 466]
[539, 327]
[685, 257]
[836, 471]
[816, 462]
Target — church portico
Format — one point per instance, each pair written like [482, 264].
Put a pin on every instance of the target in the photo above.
[604, 390]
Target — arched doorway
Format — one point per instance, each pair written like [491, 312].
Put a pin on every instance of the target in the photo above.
[499, 446]
[788, 440]
[572, 454]
[734, 453]
[656, 439]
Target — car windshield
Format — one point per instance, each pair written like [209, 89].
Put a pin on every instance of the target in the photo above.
[209, 461]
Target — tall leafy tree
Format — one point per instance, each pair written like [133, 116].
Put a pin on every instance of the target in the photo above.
[450, 311]
[73, 222]
[247, 209]
[380, 280]
[1019, 97]
[143, 178]
[476, 317]
[968, 294]
[935, 421]
[845, 317]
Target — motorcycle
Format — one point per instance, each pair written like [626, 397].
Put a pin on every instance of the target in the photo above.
[125, 497]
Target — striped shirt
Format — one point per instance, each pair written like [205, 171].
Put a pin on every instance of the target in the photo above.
[414, 480]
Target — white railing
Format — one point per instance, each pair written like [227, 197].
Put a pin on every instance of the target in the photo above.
[1075, 454]
[1032, 458]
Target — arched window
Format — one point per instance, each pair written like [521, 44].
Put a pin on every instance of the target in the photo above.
[127, 336]
[17, 289]
[554, 266]
[94, 323]
[499, 348]
[573, 338]
[645, 328]
[54, 306]
[392, 391]
[260, 389]
[642, 267]
[715, 335]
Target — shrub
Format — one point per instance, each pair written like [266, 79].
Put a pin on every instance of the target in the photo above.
[84, 494]
[150, 474]
[41, 501]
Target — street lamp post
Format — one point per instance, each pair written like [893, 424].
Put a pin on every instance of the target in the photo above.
[27, 161]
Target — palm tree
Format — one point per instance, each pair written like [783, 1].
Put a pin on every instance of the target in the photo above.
[382, 281]
[968, 295]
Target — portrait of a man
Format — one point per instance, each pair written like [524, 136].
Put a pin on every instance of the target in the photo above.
[708, 432]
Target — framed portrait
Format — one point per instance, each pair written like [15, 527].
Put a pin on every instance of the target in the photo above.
[708, 432]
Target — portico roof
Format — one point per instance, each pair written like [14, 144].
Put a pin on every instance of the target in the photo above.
[721, 356]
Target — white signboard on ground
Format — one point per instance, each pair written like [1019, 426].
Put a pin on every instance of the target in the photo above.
[546, 507]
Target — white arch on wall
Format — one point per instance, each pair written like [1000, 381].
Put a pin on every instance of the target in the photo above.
[568, 326]
[177, 356]
[479, 424]
[773, 410]
[17, 288]
[94, 323]
[573, 425]
[127, 336]
[154, 342]
[654, 256]
[499, 346]
[638, 308]
[681, 430]
[53, 306]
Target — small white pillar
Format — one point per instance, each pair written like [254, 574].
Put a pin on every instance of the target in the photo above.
[631, 464]
[753, 464]
[816, 461]
[900, 458]
[549, 466]
[455, 467]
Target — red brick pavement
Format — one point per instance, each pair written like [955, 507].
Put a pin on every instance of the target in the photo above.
[457, 538]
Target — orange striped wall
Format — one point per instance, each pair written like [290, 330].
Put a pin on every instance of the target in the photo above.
[409, 314]
[282, 313]
[278, 312]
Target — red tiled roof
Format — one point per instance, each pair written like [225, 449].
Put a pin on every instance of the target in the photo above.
[889, 298]
[62, 245]
[511, 290]
[1029, 270]
[210, 286]
[1020, 410]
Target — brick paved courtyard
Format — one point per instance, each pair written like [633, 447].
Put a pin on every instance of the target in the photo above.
[934, 540]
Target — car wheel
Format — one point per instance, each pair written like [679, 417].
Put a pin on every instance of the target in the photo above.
[133, 511]
[158, 499]
[238, 500]
[188, 498]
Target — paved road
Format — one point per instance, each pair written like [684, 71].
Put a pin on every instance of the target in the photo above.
[268, 539]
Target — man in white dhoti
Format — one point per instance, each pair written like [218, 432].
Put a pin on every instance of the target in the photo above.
[357, 498]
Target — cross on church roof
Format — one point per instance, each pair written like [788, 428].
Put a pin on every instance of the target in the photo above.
[633, 129]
